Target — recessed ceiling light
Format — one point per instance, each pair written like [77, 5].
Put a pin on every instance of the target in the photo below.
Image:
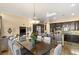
[73, 14]
[72, 5]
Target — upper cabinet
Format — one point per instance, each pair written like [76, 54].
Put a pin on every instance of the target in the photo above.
[65, 26]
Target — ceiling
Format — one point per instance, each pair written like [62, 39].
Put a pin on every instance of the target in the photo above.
[62, 10]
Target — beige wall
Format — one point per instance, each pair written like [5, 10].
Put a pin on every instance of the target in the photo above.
[13, 22]
[48, 27]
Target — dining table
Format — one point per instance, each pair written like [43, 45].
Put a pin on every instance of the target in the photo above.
[40, 48]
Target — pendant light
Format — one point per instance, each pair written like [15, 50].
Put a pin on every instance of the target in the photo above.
[35, 20]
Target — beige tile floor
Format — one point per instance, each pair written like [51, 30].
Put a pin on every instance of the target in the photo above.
[7, 52]
[70, 48]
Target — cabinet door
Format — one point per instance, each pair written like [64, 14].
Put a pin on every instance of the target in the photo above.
[77, 25]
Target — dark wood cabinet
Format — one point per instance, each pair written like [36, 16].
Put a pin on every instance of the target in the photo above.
[72, 38]
[77, 25]
[66, 26]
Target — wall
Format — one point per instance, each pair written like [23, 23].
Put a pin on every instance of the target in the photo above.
[13, 22]
[48, 27]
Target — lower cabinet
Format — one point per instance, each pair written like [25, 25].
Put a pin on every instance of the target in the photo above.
[3, 44]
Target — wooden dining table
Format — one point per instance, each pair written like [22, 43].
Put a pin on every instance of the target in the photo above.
[40, 48]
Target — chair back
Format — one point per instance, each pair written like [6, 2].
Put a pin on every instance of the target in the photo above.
[13, 46]
[47, 40]
[58, 50]
[39, 38]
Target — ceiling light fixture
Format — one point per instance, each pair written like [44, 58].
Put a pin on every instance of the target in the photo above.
[34, 16]
[72, 5]
[73, 14]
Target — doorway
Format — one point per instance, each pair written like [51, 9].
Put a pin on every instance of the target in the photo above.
[22, 36]
[38, 28]
[22, 31]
